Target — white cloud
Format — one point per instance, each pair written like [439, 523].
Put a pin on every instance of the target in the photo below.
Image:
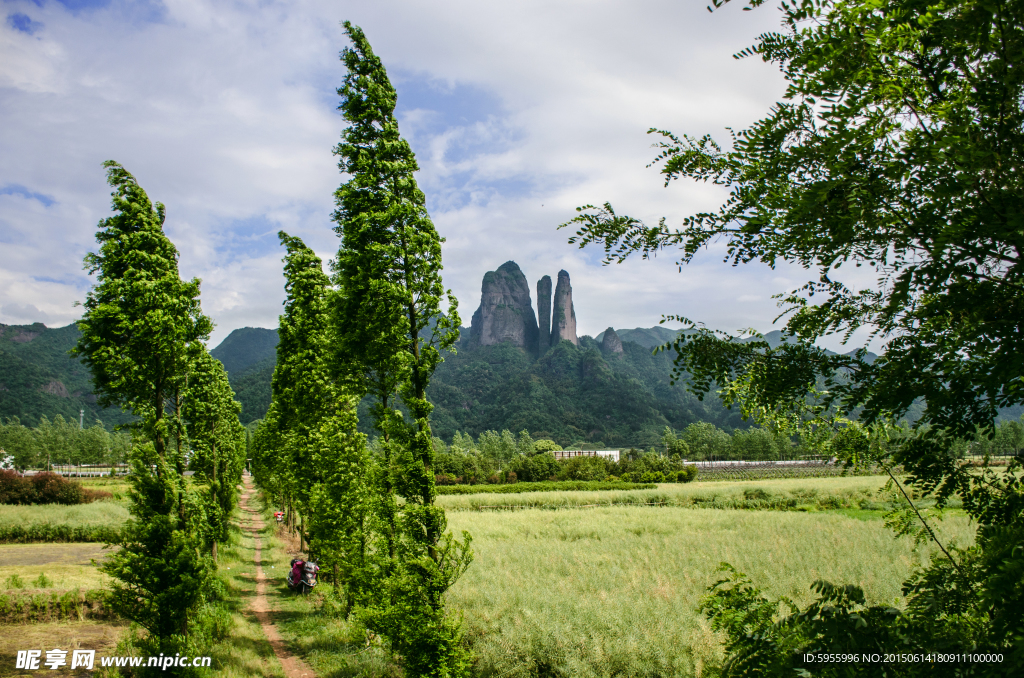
[518, 112]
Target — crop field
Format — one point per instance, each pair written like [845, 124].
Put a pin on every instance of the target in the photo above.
[852, 492]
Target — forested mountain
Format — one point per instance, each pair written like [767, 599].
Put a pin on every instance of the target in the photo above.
[249, 355]
[38, 377]
[582, 394]
[572, 394]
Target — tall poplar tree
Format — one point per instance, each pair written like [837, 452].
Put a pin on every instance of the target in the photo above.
[140, 331]
[391, 330]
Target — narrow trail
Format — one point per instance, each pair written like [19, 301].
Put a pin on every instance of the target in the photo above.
[293, 666]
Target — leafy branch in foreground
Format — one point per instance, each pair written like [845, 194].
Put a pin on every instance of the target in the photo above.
[896, 149]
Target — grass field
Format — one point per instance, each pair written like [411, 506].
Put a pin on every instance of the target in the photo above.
[610, 590]
[614, 590]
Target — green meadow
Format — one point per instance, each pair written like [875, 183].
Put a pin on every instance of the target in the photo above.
[614, 590]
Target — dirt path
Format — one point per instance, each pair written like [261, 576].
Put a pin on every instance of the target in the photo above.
[293, 666]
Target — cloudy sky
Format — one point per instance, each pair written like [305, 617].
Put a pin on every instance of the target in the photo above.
[226, 112]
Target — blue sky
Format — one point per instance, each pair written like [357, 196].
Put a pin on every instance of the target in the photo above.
[226, 112]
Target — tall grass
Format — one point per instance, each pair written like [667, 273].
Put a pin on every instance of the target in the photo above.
[99, 521]
[614, 591]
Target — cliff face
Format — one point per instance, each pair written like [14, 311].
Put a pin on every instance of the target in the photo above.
[544, 313]
[611, 342]
[506, 312]
[563, 316]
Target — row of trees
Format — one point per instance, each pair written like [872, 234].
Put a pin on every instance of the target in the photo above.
[60, 442]
[376, 329]
[142, 340]
[503, 458]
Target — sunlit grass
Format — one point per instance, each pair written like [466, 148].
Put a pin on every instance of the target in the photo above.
[615, 591]
[99, 513]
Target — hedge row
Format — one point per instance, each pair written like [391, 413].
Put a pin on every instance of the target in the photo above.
[54, 606]
[778, 473]
[562, 486]
[49, 532]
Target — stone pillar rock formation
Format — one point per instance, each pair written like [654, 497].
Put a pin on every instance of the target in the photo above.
[563, 316]
[611, 343]
[506, 311]
[544, 313]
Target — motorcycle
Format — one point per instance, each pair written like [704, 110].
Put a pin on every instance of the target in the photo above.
[303, 577]
[279, 516]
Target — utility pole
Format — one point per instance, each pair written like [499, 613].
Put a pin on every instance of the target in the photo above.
[81, 419]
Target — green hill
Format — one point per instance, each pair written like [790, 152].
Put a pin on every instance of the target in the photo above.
[39, 378]
[574, 395]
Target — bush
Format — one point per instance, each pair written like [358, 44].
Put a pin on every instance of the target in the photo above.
[15, 489]
[688, 473]
[44, 488]
[511, 478]
[445, 479]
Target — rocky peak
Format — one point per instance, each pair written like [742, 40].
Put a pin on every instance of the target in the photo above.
[544, 313]
[563, 315]
[611, 342]
[506, 311]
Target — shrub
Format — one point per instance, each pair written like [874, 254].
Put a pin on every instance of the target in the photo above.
[89, 496]
[511, 477]
[42, 581]
[44, 488]
[445, 479]
[626, 477]
[494, 479]
[15, 582]
[15, 489]
[688, 473]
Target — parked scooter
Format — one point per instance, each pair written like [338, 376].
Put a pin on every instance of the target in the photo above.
[302, 576]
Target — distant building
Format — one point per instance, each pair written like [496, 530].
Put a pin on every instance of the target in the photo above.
[567, 454]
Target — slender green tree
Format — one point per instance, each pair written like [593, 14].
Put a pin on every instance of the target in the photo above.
[391, 331]
[141, 326]
[217, 440]
[316, 421]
